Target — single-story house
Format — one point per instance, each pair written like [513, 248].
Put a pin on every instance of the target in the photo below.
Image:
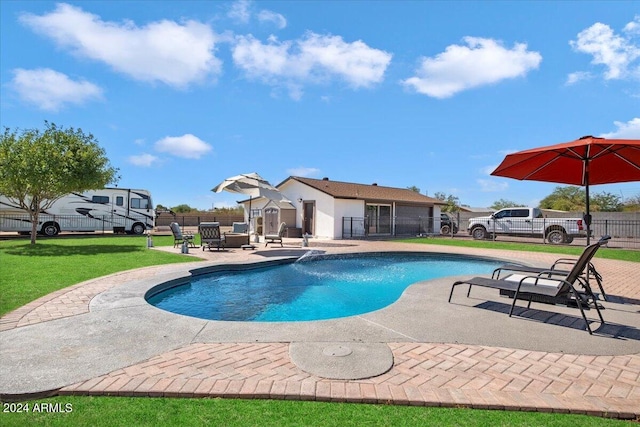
[335, 210]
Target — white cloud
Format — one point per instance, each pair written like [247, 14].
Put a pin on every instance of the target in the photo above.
[616, 52]
[578, 76]
[633, 27]
[492, 186]
[262, 60]
[628, 130]
[310, 59]
[188, 146]
[51, 90]
[144, 160]
[356, 62]
[239, 11]
[162, 51]
[480, 62]
[304, 172]
[272, 17]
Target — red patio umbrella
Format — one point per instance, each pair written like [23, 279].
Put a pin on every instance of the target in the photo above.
[584, 162]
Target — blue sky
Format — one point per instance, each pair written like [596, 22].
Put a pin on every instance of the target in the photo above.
[429, 94]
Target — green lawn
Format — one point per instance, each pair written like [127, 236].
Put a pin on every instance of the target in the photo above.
[140, 412]
[29, 272]
[604, 252]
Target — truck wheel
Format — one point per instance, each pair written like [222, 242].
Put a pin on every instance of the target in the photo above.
[568, 239]
[479, 233]
[445, 229]
[50, 229]
[138, 228]
[556, 237]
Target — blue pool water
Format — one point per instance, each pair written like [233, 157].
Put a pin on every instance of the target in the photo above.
[317, 288]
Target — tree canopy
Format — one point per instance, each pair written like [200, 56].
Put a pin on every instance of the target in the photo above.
[574, 199]
[38, 167]
[453, 202]
[502, 204]
[183, 208]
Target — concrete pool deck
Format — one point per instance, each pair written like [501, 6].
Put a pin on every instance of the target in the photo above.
[101, 338]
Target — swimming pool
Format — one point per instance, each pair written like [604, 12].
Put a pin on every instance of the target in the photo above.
[313, 288]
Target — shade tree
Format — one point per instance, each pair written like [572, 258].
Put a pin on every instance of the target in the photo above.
[37, 167]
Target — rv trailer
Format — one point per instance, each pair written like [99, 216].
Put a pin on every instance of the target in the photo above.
[121, 210]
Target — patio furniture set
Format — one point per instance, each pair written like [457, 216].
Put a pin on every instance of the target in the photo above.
[211, 236]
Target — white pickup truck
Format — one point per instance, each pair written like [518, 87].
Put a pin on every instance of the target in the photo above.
[527, 222]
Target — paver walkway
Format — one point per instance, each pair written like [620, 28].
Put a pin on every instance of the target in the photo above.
[434, 374]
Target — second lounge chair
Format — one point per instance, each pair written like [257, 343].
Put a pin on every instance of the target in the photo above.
[273, 238]
[549, 283]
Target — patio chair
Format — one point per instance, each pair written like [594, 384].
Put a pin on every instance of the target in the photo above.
[240, 227]
[273, 238]
[548, 283]
[179, 238]
[210, 235]
[559, 267]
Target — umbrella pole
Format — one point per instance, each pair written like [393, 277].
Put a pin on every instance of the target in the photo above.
[587, 218]
[249, 221]
[586, 180]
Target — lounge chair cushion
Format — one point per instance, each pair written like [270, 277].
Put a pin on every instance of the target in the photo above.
[537, 285]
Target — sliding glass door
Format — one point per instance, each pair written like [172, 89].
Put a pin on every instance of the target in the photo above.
[379, 217]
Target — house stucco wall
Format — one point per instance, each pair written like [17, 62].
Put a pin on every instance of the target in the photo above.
[324, 213]
[324, 207]
[347, 208]
[295, 191]
[328, 211]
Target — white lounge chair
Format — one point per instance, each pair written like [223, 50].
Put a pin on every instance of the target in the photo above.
[273, 238]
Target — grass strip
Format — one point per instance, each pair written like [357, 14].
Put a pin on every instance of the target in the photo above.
[141, 412]
[29, 272]
[604, 252]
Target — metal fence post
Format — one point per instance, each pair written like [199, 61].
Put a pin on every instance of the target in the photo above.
[494, 230]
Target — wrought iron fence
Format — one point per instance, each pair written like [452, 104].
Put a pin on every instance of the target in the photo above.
[52, 224]
[624, 233]
[354, 228]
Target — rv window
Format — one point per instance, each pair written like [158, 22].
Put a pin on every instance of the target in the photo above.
[120, 201]
[139, 203]
[100, 199]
